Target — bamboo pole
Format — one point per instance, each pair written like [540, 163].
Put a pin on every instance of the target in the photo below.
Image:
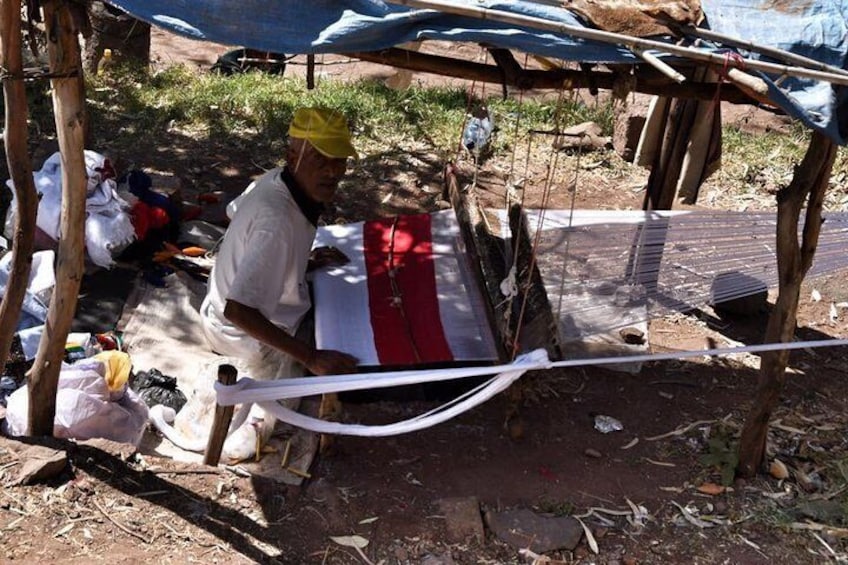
[646, 81]
[20, 169]
[629, 42]
[793, 261]
[64, 53]
[772, 52]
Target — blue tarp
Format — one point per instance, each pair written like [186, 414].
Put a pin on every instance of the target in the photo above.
[814, 28]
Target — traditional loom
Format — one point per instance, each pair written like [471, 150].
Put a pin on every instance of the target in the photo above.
[453, 289]
[447, 296]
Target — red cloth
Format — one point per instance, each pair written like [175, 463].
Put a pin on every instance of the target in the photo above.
[146, 218]
[413, 326]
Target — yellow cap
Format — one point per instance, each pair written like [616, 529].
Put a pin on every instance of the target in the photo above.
[325, 129]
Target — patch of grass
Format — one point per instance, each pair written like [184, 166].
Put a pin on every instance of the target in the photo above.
[227, 105]
[723, 455]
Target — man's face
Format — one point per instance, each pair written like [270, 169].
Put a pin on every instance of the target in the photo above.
[317, 174]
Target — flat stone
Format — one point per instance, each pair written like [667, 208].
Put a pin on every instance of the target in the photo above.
[39, 463]
[522, 528]
[582, 136]
[462, 519]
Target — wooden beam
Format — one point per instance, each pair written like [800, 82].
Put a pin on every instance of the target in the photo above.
[794, 258]
[482, 250]
[227, 375]
[68, 107]
[467, 9]
[20, 169]
[647, 81]
[536, 326]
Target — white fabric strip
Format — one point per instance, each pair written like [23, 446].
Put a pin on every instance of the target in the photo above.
[342, 316]
[266, 393]
[460, 304]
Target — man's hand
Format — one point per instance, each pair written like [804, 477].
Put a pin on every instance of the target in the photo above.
[330, 362]
[326, 257]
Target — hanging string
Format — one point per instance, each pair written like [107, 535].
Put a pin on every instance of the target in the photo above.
[397, 295]
[511, 180]
[704, 261]
[546, 193]
[567, 248]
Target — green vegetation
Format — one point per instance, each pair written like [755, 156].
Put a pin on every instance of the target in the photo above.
[263, 104]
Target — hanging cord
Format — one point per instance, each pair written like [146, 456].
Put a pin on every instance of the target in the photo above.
[518, 117]
[723, 75]
[469, 100]
[546, 196]
[567, 250]
[514, 261]
[397, 296]
[573, 201]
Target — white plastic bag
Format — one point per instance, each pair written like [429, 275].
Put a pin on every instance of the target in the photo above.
[108, 227]
[85, 408]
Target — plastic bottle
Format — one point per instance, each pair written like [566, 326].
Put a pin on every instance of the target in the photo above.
[105, 63]
[477, 131]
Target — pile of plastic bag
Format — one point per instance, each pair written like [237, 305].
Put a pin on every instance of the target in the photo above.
[108, 226]
[93, 400]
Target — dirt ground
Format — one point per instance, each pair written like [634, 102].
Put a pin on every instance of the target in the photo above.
[397, 493]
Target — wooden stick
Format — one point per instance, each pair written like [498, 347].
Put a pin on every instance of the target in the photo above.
[753, 86]
[772, 52]
[68, 107]
[629, 42]
[119, 525]
[310, 71]
[661, 66]
[479, 246]
[20, 169]
[227, 375]
[648, 81]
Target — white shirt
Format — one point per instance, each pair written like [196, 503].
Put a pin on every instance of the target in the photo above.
[261, 264]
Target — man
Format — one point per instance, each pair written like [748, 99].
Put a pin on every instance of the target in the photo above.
[258, 293]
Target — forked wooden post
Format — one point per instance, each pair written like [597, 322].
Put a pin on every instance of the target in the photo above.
[794, 259]
[69, 109]
[20, 169]
[227, 375]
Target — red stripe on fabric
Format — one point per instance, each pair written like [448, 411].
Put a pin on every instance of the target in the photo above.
[398, 337]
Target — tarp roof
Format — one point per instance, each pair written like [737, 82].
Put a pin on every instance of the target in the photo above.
[813, 28]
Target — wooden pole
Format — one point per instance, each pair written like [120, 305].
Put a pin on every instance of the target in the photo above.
[774, 53]
[793, 262]
[310, 71]
[64, 53]
[486, 259]
[633, 43]
[647, 81]
[20, 169]
[227, 375]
